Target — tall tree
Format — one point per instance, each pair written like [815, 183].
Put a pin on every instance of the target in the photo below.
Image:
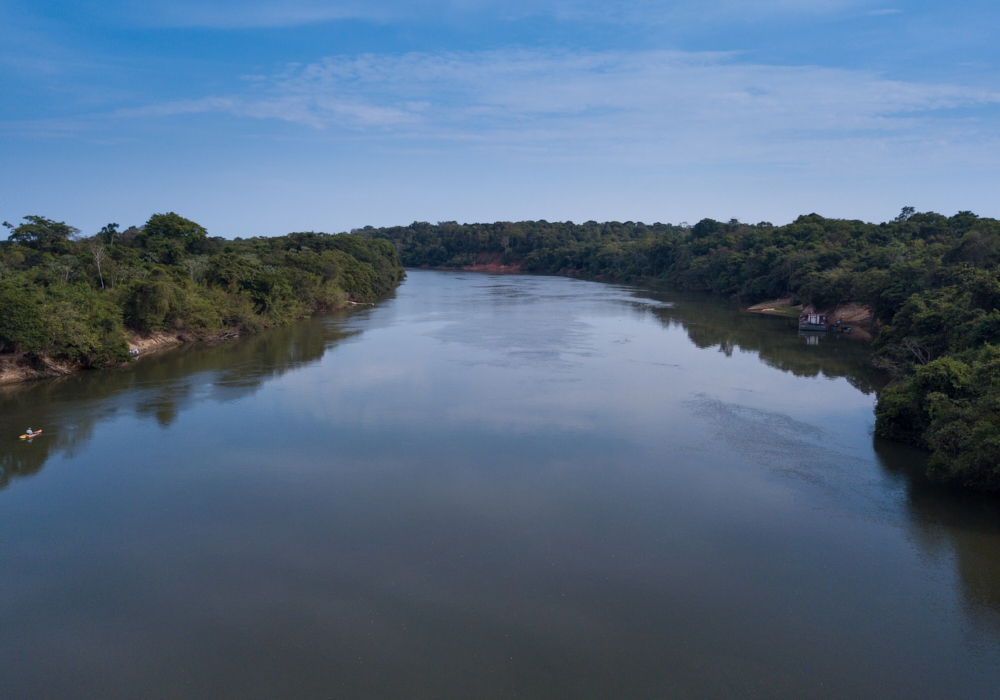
[99, 253]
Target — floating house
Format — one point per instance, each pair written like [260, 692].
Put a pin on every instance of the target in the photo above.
[813, 322]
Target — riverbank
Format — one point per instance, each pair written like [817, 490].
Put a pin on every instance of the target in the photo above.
[145, 343]
[495, 266]
[119, 294]
[17, 368]
[860, 318]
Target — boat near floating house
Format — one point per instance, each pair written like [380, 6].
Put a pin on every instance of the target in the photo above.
[813, 322]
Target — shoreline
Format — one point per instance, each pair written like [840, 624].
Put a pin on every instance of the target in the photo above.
[859, 317]
[19, 368]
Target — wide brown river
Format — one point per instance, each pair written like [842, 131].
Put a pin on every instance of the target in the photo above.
[489, 487]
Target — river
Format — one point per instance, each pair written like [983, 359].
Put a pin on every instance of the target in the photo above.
[489, 487]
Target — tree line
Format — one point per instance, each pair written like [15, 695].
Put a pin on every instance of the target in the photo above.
[931, 281]
[74, 298]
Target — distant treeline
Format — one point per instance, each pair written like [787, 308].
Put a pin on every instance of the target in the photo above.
[73, 298]
[931, 281]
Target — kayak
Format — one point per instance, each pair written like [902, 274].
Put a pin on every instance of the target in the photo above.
[34, 434]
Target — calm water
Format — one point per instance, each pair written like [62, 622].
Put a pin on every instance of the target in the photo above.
[488, 487]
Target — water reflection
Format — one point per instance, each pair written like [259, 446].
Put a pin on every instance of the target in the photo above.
[955, 524]
[947, 522]
[711, 322]
[507, 485]
[159, 387]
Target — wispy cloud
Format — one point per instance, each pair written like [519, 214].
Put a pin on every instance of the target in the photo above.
[237, 14]
[654, 105]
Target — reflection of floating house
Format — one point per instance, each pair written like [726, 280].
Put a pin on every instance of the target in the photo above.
[813, 322]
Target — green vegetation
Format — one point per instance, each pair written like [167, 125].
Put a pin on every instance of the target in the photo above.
[74, 298]
[932, 282]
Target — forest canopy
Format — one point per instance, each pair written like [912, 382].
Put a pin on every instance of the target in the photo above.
[931, 281]
[74, 298]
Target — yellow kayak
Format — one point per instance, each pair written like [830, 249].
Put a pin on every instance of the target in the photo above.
[34, 434]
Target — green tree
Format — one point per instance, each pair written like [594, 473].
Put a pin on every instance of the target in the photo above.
[173, 227]
[39, 233]
[22, 325]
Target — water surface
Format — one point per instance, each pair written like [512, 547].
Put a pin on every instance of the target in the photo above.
[489, 487]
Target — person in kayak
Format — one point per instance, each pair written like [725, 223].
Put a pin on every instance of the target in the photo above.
[29, 431]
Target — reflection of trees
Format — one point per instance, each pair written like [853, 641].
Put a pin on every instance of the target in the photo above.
[953, 521]
[162, 387]
[945, 521]
[712, 323]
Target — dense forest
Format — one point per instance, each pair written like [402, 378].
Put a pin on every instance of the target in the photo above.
[931, 281]
[73, 298]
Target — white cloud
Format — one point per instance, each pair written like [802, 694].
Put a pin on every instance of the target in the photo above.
[654, 105]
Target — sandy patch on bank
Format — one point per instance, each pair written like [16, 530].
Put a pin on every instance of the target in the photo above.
[858, 316]
[852, 314]
[777, 307]
[19, 368]
[155, 340]
[493, 267]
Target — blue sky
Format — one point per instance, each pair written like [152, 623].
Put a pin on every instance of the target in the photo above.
[259, 118]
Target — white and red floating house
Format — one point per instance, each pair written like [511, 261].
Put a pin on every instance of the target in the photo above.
[813, 322]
